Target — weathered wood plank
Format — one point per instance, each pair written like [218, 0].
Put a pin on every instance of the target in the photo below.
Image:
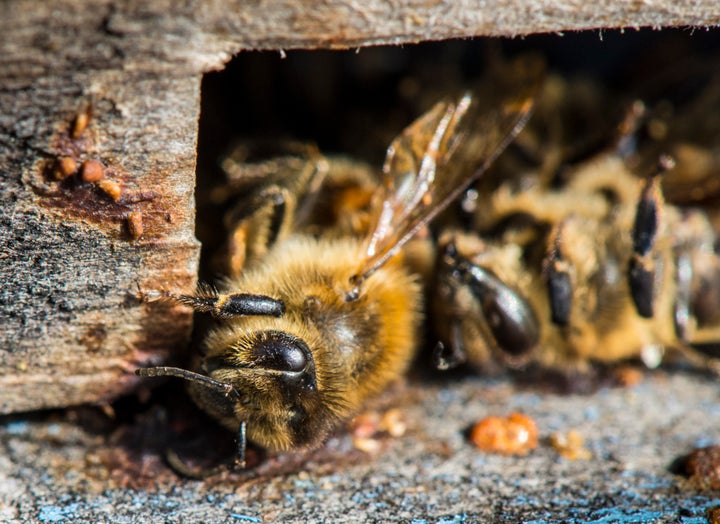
[71, 326]
[286, 24]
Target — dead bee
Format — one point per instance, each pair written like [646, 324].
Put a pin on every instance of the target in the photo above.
[314, 326]
[275, 190]
[597, 271]
[572, 258]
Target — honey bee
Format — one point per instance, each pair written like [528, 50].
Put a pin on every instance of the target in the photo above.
[314, 325]
[597, 269]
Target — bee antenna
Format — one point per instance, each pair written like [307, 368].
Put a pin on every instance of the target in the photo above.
[233, 305]
[227, 390]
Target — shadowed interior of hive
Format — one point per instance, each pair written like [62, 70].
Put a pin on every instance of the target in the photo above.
[354, 102]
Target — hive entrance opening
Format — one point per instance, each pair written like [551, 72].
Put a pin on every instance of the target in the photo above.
[354, 102]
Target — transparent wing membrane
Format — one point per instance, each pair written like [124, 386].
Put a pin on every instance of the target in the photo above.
[440, 154]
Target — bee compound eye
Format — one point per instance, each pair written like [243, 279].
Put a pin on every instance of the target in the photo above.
[280, 351]
[509, 317]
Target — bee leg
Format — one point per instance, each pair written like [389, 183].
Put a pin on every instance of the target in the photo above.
[644, 262]
[697, 358]
[557, 271]
[699, 342]
[313, 186]
[222, 306]
[452, 355]
[238, 464]
[256, 225]
[683, 296]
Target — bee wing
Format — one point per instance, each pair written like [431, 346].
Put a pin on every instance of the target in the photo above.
[437, 157]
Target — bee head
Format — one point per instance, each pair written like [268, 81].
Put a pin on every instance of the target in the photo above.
[275, 377]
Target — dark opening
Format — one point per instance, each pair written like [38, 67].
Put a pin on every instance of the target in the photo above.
[354, 102]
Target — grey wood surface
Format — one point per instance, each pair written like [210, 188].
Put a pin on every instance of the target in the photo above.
[71, 327]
